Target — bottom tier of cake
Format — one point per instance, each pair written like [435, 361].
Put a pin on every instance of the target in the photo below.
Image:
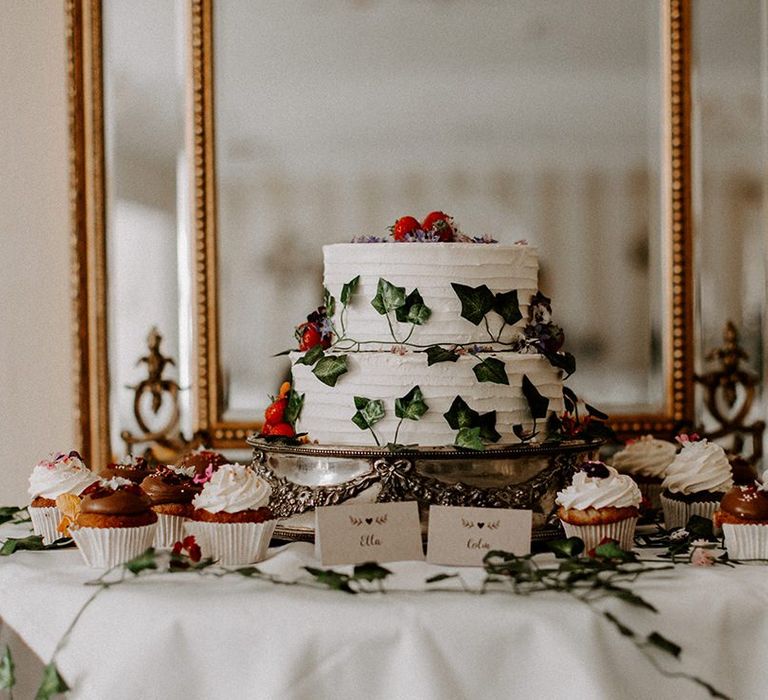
[328, 410]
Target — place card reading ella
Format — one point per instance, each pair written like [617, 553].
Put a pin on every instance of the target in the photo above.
[377, 532]
[463, 536]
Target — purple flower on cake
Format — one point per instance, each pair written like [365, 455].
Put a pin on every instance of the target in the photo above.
[399, 350]
[368, 239]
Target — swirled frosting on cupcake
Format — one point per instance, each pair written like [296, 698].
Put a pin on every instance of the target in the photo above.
[596, 485]
[700, 466]
[231, 489]
[170, 485]
[58, 474]
[647, 457]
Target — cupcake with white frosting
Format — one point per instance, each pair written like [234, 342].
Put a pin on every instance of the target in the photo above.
[52, 477]
[231, 519]
[696, 481]
[646, 461]
[600, 504]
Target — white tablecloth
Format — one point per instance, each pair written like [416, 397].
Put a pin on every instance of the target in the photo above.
[184, 636]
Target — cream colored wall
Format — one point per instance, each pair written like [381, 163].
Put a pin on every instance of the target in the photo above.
[36, 388]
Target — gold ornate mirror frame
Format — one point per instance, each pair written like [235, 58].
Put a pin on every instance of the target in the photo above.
[86, 118]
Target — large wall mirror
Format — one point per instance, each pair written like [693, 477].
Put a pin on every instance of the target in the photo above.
[223, 142]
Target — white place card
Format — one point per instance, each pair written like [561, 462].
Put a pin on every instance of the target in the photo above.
[463, 536]
[380, 532]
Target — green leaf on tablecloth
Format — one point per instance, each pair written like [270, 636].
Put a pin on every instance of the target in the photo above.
[610, 549]
[31, 543]
[620, 626]
[370, 571]
[475, 301]
[491, 370]
[348, 290]
[660, 642]
[7, 676]
[469, 439]
[332, 579]
[700, 528]
[388, 297]
[536, 402]
[563, 549]
[146, 560]
[53, 683]
[329, 369]
[249, 571]
[293, 407]
[629, 597]
[311, 356]
[369, 412]
[411, 406]
[437, 354]
[8, 513]
[440, 577]
[507, 305]
[329, 303]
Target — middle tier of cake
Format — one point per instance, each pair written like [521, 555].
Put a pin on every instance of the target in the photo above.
[327, 412]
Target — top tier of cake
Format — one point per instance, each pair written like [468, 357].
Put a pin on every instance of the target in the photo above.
[431, 268]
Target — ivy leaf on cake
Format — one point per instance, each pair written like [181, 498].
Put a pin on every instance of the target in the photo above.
[491, 370]
[470, 424]
[369, 412]
[348, 290]
[538, 406]
[476, 302]
[507, 305]
[330, 368]
[412, 405]
[436, 354]
[414, 310]
[388, 297]
[311, 356]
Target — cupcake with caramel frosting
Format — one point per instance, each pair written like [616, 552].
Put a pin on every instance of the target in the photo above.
[59, 474]
[600, 503]
[743, 516]
[646, 461]
[696, 481]
[113, 523]
[171, 490]
[232, 521]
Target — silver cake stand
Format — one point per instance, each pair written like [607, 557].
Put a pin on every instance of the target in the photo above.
[527, 476]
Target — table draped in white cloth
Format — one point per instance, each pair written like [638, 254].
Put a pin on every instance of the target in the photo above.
[188, 636]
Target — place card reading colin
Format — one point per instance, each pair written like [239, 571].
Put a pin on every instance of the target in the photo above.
[463, 536]
[380, 532]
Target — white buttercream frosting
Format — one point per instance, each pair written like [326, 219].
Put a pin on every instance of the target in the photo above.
[430, 267]
[700, 466]
[327, 412]
[614, 491]
[231, 489]
[59, 474]
[645, 457]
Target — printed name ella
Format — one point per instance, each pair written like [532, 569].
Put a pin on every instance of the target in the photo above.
[369, 541]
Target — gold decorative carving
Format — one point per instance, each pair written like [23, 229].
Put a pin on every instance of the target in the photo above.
[166, 441]
[729, 394]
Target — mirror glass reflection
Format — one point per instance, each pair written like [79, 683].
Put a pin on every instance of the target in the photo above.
[145, 57]
[730, 53]
[530, 120]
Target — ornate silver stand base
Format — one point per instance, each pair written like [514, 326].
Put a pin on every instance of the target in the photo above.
[515, 476]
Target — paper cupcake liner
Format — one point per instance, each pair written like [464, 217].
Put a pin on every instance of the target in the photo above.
[677, 513]
[232, 544]
[746, 541]
[652, 492]
[170, 530]
[108, 546]
[622, 531]
[45, 522]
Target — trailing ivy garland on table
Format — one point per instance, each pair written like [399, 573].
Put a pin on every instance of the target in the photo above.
[605, 573]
